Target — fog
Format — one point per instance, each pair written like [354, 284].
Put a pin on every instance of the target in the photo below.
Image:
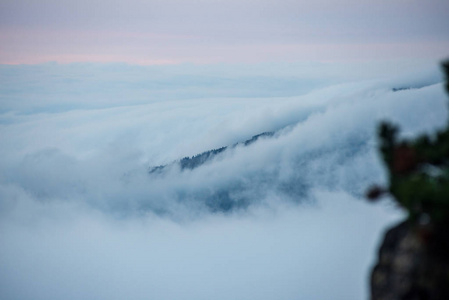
[81, 217]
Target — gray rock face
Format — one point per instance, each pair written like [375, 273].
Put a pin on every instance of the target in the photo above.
[413, 263]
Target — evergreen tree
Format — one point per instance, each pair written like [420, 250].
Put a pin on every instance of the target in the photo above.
[418, 170]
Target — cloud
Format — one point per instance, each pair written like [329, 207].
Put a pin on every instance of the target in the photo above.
[81, 217]
[266, 256]
[101, 155]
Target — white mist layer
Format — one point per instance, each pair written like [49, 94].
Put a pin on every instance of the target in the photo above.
[309, 253]
[82, 218]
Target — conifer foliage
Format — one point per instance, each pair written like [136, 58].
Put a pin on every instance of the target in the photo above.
[418, 170]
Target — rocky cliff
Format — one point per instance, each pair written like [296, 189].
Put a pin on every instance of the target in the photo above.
[413, 263]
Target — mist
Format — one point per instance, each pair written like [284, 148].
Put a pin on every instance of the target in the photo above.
[81, 216]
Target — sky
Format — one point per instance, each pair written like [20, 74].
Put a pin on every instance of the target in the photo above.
[217, 31]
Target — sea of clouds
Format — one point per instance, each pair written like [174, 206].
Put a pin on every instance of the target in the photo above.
[81, 216]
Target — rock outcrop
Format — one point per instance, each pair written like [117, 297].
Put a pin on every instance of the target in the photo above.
[413, 263]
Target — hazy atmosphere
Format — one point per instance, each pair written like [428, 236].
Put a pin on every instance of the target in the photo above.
[211, 31]
[205, 149]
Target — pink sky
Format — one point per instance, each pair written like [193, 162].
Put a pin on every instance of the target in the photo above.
[214, 31]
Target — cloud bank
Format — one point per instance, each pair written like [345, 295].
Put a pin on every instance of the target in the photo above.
[81, 216]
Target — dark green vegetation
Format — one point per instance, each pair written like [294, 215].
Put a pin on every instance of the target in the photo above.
[193, 162]
[418, 170]
[413, 259]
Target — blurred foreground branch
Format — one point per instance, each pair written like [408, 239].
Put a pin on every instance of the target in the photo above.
[413, 259]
